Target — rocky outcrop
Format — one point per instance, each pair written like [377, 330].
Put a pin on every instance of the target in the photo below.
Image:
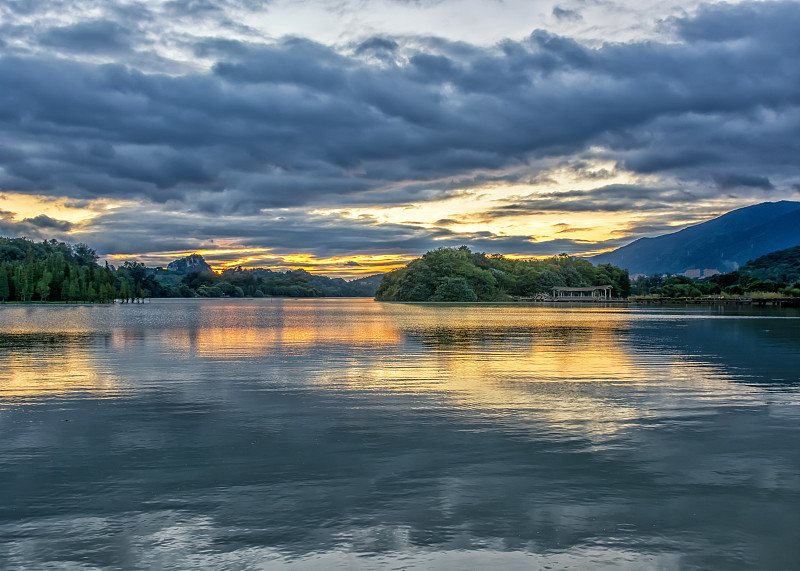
[193, 263]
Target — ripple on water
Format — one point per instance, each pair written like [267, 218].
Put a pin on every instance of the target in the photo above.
[353, 434]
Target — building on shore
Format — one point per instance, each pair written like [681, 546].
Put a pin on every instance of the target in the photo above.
[591, 293]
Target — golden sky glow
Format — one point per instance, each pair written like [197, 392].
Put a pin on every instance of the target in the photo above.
[24, 206]
[498, 209]
[343, 267]
[461, 124]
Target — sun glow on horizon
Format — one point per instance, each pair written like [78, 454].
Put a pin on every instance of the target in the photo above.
[347, 267]
[555, 211]
[28, 206]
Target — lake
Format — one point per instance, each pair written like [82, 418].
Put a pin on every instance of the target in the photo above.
[352, 434]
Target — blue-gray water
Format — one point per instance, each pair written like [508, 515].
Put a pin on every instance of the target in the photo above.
[339, 434]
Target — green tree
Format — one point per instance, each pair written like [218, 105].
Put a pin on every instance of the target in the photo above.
[549, 279]
[65, 285]
[74, 290]
[22, 283]
[125, 291]
[84, 255]
[5, 290]
[454, 289]
[493, 277]
[417, 283]
[52, 271]
[43, 286]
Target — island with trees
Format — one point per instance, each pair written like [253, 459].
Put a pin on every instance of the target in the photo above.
[458, 274]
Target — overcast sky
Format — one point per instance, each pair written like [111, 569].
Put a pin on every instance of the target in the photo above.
[349, 136]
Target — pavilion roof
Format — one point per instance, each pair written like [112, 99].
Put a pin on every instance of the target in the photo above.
[590, 288]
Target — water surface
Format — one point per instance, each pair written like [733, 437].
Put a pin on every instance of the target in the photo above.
[325, 434]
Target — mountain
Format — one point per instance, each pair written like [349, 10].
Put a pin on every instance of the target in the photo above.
[724, 243]
[193, 263]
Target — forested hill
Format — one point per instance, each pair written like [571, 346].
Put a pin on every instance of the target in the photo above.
[458, 274]
[52, 271]
[780, 266]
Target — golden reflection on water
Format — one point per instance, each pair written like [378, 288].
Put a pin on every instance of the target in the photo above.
[41, 367]
[513, 364]
[298, 332]
[518, 367]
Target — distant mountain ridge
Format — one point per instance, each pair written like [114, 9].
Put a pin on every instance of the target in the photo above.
[724, 243]
[196, 271]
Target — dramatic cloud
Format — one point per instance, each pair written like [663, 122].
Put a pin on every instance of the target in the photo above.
[566, 14]
[208, 130]
[44, 221]
[86, 37]
[611, 198]
[37, 228]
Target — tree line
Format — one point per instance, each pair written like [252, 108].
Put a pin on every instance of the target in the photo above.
[773, 273]
[261, 282]
[52, 271]
[458, 274]
[735, 283]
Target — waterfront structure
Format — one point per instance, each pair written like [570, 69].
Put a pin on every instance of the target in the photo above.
[591, 293]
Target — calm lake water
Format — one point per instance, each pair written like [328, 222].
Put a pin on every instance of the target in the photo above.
[351, 434]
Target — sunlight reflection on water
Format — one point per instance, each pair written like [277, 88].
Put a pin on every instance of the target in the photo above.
[353, 434]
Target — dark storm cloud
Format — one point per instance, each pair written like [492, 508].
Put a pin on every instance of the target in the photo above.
[130, 231]
[37, 228]
[288, 122]
[101, 36]
[582, 170]
[44, 221]
[565, 14]
[296, 123]
[25, 7]
[610, 198]
[377, 46]
[729, 181]
[715, 23]
[133, 230]
[648, 229]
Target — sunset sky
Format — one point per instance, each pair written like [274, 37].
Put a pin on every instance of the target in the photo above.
[349, 137]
